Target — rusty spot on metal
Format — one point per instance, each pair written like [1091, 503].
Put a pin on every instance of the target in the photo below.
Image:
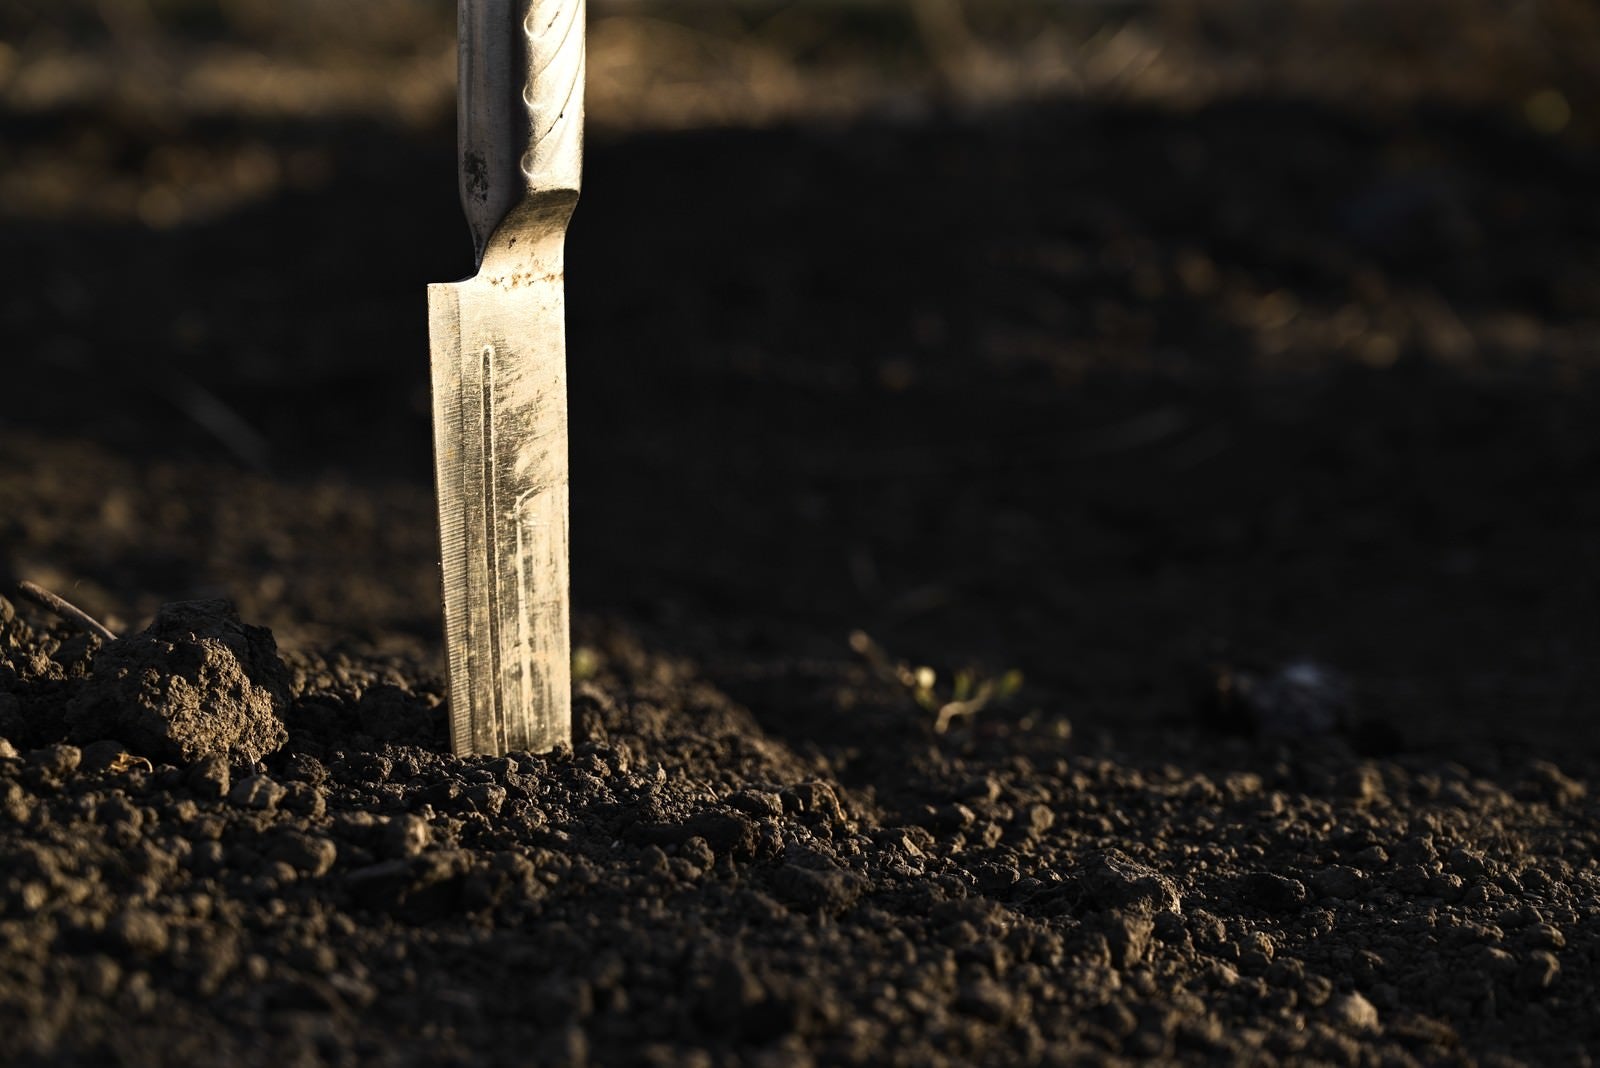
[475, 171]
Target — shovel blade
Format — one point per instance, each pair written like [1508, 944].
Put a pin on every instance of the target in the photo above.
[498, 351]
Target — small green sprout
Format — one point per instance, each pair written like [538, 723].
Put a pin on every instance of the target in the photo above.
[586, 663]
[969, 693]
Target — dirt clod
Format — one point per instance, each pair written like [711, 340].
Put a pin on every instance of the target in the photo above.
[312, 854]
[1112, 880]
[1354, 1013]
[209, 776]
[55, 762]
[194, 683]
[1272, 892]
[258, 791]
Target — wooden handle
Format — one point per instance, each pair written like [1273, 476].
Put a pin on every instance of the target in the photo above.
[520, 118]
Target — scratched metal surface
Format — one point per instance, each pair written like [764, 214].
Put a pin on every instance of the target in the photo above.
[498, 346]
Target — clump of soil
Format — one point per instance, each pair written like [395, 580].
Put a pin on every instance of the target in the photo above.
[684, 888]
[196, 682]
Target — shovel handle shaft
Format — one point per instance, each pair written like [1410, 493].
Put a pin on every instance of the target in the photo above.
[520, 121]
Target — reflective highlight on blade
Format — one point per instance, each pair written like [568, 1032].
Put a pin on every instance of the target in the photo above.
[499, 387]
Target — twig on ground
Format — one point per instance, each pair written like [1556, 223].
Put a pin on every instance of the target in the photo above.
[66, 610]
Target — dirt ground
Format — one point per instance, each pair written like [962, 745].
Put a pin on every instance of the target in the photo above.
[1243, 408]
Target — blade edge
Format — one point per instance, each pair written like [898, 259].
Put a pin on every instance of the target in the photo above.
[450, 444]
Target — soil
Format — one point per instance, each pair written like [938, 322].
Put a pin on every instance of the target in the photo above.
[1255, 438]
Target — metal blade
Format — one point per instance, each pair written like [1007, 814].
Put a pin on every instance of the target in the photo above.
[499, 379]
[500, 418]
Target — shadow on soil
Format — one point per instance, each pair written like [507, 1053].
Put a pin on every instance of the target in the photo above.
[1100, 393]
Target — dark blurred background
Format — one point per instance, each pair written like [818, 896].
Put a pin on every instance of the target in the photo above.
[1105, 341]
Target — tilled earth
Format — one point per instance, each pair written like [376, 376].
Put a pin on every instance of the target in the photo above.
[1253, 433]
[685, 888]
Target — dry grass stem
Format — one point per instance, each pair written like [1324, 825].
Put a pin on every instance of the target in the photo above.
[66, 610]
